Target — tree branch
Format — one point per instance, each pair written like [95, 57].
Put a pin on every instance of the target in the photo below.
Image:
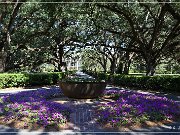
[14, 14]
[173, 12]
[169, 37]
[128, 18]
[157, 27]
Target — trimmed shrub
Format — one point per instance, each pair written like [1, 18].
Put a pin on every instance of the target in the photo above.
[161, 82]
[10, 80]
[29, 79]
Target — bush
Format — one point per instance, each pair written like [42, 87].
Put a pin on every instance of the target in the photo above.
[161, 82]
[10, 80]
[29, 79]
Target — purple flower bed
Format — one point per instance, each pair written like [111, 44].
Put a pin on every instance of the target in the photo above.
[133, 107]
[34, 105]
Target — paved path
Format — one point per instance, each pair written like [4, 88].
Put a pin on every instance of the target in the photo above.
[82, 121]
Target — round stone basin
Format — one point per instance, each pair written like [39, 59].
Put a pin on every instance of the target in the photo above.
[80, 90]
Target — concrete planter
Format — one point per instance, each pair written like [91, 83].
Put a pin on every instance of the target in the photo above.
[82, 90]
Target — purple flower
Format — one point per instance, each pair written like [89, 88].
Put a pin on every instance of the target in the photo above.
[34, 104]
[135, 106]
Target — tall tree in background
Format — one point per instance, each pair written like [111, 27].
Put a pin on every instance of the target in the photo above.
[93, 60]
[154, 28]
[111, 38]
[47, 33]
[8, 24]
[35, 33]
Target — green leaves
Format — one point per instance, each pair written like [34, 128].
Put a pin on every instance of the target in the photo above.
[18, 80]
[6, 109]
[162, 83]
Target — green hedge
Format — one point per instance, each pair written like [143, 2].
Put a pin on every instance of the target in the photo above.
[161, 82]
[29, 79]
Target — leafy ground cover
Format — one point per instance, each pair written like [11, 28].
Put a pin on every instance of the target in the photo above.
[130, 107]
[33, 110]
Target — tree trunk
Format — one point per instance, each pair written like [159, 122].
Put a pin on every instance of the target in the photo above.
[2, 61]
[104, 68]
[6, 36]
[8, 65]
[113, 66]
[126, 67]
[4, 50]
[129, 56]
[104, 65]
[120, 68]
[59, 67]
[150, 68]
